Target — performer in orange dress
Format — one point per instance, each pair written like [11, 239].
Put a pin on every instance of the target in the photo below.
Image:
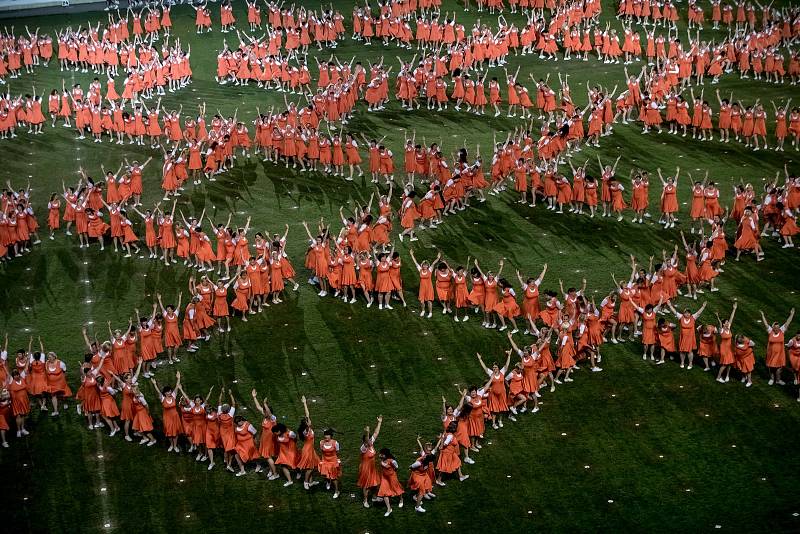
[308, 462]
[745, 358]
[368, 477]
[449, 461]
[748, 235]
[245, 446]
[57, 387]
[142, 422]
[287, 451]
[172, 426]
[687, 339]
[422, 471]
[330, 465]
[425, 294]
[20, 404]
[497, 402]
[172, 333]
[726, 356]
[267, 446]
[776, 351]
[389, 485]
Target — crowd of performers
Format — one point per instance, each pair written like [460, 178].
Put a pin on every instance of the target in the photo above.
[452, 68]
[354, 259]
[566, 330]
[432, 188]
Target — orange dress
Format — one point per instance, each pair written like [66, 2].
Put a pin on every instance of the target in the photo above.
[508, 307]
[142, 422]
[497, 401]
[56, 379]
[37, 379]
[389, 485]
[476, 295]
[267, 445]
[383, 282]
[368, 476]
[172, 335]
[425, 286]
[421, 479]
[245, 446]
[725, 348]
[220, 308]
[409, 214]
[329, 465]
[530, 301]
[443, 284]
[687, 341]
[449, 461]
[91, 398]
[287, 450]
[20, 404]
[461, 295]
[172, 421]
[745, 359]
[566, 351]
[227, 432]
[776, 353]
[108, 406]
[490, 294]
[213, 439]
[308, 454]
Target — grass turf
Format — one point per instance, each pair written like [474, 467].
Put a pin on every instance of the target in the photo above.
[672, 449]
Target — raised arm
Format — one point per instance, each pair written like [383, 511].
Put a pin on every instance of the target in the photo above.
[511, 340]
[699, 312]
[733, 312]
[377, 429]
[256, 403]
[764, 320]
[414, 259]
[305, 409]
[483, 365]
[785, 325]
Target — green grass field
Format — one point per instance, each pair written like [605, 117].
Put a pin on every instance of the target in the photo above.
[635, 447]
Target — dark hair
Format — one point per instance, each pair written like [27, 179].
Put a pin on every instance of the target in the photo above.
[302, 427]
